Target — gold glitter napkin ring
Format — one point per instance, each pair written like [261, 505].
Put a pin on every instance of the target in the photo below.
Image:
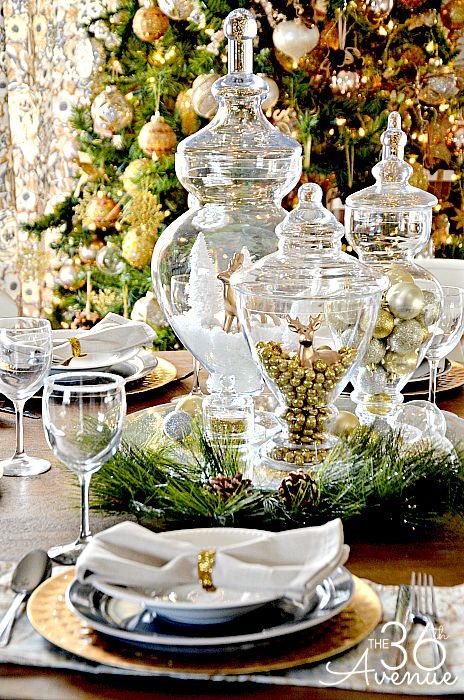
[75, 346]
[205, 569]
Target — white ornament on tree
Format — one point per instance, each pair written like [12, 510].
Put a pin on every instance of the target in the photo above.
[295, 39]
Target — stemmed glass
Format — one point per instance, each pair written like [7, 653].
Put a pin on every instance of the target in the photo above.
[25, 359]
[449, 330]
[83, 415]
[179, 299]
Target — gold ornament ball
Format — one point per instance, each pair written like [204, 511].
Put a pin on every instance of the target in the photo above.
[150, 24]
[405, 300]
[72, 276]
[454, 138]
[345, 422]
[189, 120]
[203, 102]
[452, 14]
[101, 211]
[156, 138]
[110, 111]
[177, 9]
[401, 365]
[384, 324]
[137, 248]
[88, 251]
[193, 405]
[134, 172]
[399, 274]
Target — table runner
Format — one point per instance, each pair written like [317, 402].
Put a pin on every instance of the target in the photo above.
[347, 671]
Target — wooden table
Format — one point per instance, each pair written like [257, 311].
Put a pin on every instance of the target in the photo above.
[42, 511]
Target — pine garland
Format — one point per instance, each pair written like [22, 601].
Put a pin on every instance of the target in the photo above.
[375, 485]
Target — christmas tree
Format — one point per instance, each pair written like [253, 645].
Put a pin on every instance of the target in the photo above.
[334, 70]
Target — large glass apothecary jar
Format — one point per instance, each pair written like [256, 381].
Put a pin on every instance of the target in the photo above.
[307, 311]
[239, 167]
[387, 224]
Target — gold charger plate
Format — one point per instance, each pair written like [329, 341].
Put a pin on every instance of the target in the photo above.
[445, 382]
[51, 618]
[164, 373]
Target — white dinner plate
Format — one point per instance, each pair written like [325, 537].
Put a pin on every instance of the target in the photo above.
[129, 622]
[191, 604]
[94, 361]
[136, 367]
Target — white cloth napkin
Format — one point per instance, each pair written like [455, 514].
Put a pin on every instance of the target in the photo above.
[112, 334]
[291, 562]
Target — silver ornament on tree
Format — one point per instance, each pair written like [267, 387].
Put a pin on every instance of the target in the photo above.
[273, 94]
[344, 81]
[378, 10]
[177, 9]
[295, 39]
[72, 276]
[110, 112]
[109, 260]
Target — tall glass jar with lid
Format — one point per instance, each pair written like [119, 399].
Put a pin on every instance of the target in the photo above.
[387, 224]
[308, 311]
[239, 167]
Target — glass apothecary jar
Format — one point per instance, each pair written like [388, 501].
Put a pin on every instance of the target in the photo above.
[307, 311]
[239, 167]
[387, 224]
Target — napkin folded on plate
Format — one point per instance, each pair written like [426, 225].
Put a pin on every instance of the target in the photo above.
[110, 335]
[284, 563]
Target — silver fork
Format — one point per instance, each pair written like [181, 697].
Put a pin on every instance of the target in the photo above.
[424, 611]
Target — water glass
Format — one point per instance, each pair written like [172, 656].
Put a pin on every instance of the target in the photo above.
[25, 359]
[83, 415]
[449, 330]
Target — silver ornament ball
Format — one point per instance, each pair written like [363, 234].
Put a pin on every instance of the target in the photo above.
[431, 311]
[109, 260]
[407, 337]
[372, 381]
[375, 353]
[178, 425]
[405, 300]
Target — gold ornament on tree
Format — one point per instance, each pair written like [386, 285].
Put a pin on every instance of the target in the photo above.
[452, 14]
[143, 213]
[110, 112]
[156, 137]
[419, 177]
[454, 138]
[72, 276]
[137, 248]
[189, 120]
[101, 211]
[203, 101]
[132, 177]
[150, 24]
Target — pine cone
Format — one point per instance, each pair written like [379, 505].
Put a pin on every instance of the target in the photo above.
[228, 486]
[299, 490]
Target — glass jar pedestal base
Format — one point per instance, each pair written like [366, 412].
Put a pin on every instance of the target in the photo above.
[281, 454]
[371, 407]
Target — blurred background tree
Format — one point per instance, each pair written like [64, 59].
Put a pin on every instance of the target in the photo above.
[334, 70]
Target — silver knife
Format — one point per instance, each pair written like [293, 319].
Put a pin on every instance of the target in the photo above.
[404, 619]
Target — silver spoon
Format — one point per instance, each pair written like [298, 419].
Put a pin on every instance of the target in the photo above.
[30, 571]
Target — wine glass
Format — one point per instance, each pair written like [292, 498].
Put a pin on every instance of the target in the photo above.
[25, 359]
[449, 330]
[180, 302]
[83, 415]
